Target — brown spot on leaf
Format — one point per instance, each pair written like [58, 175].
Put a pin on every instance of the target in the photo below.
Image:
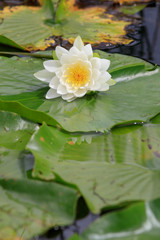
[99, 17]
[58, 126]
[5, 129]
[71, 143]
[42, 139]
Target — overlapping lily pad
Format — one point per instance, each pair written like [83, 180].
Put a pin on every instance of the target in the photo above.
[140, 221]
[108, 170]
[14, 135]
[38, 26]
[133, 98]
[24, 27]
[100, 26]
[27, 207]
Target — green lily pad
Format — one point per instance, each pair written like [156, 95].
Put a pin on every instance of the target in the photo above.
[27, 207]
[133, 98]
[14, 135]
[140, 221]
[105, 174]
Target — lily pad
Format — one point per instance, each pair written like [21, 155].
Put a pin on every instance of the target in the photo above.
[77, 21]
[38, 26]
[98, 170]
[14, 135]
[27, 207]
[133, 99]
[31, 32]
[140, 221]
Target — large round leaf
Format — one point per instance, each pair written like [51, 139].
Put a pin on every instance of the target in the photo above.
[77, 21]
[34, 28]
[97, 166]
[133, 98]
[24, 27]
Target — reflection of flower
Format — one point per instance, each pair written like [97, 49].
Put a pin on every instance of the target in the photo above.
[75, 73]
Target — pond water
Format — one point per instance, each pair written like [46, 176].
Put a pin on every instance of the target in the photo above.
[147, 38]
[146, 46]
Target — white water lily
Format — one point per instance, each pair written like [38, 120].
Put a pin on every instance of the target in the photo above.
[75, 73]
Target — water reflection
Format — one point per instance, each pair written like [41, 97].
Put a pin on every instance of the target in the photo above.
[147, 38]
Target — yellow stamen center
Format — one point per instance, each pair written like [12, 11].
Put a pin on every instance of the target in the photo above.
[78, 75]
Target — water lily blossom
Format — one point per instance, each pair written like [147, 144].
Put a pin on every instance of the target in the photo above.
[75, 73]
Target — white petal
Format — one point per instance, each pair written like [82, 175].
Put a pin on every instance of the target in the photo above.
[95, 62]
[71, 99]
[68, 59]
[96, 86]
[95, 83]
[61, 89]
[71, 59]
[88, 50]
[52, 65]
[96, 74]
[70, 89]
[78, 43]
[104, 87]
[82, 56]
[44, 75]
[52, 93]
[68, 96]
[80, 92]
[105, 77]
[54, 83]
[90, 84]
[104, 64]
[74, 50]
[59, 73]
[60, 51]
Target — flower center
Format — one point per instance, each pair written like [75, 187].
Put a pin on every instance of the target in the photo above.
[78, 75]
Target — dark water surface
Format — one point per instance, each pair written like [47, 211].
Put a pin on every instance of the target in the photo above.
[146, 46]
[147, 39]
